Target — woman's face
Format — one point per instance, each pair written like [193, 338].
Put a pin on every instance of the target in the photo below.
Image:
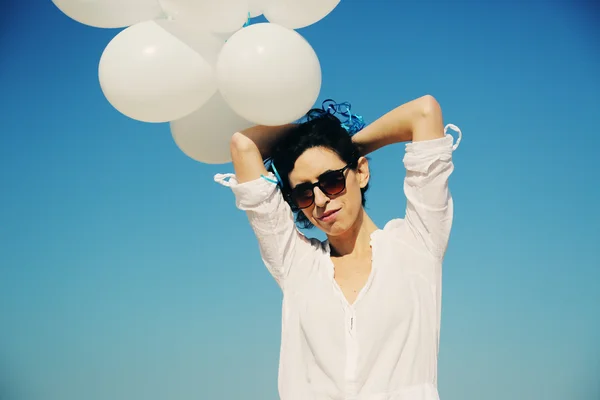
[333, 214]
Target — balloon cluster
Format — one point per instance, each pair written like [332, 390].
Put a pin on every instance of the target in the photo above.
[201, 66]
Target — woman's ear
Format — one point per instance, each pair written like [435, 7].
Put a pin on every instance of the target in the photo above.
[362, 172]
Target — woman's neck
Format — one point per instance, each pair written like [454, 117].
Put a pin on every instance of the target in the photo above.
[356, 241]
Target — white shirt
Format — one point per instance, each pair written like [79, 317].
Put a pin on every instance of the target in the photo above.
[385, 345]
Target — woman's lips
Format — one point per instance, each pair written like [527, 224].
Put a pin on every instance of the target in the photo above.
[329, 216]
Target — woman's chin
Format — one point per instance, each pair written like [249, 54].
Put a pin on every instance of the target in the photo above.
[335, 228]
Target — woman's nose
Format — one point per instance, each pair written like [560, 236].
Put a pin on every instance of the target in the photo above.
[320, 198]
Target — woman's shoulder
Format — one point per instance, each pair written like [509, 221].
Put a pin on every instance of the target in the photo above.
[393, 225]
[395, 230]
[402, 240]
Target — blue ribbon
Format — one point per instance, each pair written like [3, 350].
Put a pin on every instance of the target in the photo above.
[247, 21]
[269, 164]
[352, 123]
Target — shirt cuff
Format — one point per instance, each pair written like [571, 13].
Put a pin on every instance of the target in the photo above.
[443, 143]
[251, 194]
[420, 155]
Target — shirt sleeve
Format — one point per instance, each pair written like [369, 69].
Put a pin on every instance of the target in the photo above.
[281, 244]
[429, 206]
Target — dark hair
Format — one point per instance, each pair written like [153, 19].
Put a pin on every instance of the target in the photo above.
[320, 129]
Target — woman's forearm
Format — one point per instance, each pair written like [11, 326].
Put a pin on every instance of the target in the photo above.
[419, 119]
[265, 137]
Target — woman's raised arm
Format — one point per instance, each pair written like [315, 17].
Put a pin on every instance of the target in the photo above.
[281, 244]
[251, 147]
[417, 120]
[428, 163]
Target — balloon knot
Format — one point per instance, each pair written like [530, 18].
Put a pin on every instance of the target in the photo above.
[247, 23]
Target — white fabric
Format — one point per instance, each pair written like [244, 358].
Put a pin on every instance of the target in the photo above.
[385, 345]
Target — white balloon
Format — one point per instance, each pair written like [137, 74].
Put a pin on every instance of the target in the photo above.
[204, 135]
[218, 16]
[110, 13]
[149, 75]
[269, 74]
[296, 14]
[205, 43]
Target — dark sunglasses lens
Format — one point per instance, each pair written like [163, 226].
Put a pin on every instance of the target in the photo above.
[303, 197]
[333, 183]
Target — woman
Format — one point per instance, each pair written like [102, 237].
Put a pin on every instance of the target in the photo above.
[361, 310]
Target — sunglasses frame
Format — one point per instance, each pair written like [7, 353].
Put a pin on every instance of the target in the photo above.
[312, 186]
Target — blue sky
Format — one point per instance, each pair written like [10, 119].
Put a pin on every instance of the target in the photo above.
[126, 273]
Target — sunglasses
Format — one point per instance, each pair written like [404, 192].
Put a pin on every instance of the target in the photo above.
[330, 183]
